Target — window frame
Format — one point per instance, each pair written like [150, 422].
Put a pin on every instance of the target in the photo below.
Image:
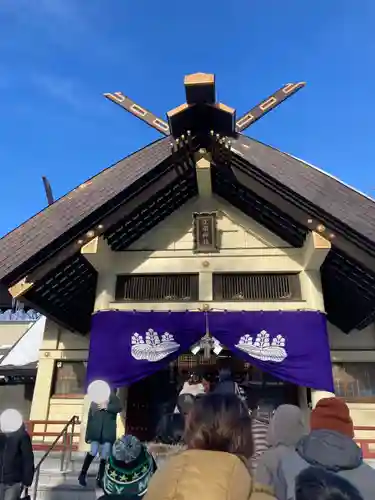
[345, 394]
[55, 380]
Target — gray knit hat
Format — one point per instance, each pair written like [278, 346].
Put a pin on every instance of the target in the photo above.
[129, 468]
[127, 449]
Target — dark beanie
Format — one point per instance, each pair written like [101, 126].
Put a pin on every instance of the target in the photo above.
[332, 414]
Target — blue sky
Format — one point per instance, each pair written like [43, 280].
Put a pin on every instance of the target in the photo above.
[57, 58]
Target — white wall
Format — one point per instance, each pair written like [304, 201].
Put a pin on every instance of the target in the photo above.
[245, 246]
[237, 230]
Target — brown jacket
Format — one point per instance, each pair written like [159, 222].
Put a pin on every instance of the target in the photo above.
[205, 475]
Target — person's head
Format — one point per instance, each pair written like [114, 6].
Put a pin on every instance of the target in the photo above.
[129, 459]
[332, 414]
[264, 411]
[315, 483]
[286, 426]
[219, 422]
[194, 378]
[185, 403]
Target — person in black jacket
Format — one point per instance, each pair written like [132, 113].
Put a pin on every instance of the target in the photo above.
[100, 434]
[16, 463]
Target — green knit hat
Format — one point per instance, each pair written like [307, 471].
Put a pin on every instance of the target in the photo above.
[129, 468]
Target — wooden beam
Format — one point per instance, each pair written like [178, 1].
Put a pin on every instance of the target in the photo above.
[179, 109]
[203, 170]
[251, 181]
[316, 249]
[200, 88]
[140, 112]
[21, 287]
[199, 79]
[267, 105]
[103, 223]
[98, 253]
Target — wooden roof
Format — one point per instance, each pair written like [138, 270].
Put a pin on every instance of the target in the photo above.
[77, 210]
[285, 194]
[329, 194]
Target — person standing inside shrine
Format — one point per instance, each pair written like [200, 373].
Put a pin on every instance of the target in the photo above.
[100, 433]
[193, 387]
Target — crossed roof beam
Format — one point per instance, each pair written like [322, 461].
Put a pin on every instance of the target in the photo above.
[203, 85]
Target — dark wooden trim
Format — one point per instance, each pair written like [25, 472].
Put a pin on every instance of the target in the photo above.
[267, 105]
[35, 305]
[119, 213]
[139, 112]
[251, 181]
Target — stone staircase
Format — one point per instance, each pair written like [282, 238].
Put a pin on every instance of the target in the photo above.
[56, 485]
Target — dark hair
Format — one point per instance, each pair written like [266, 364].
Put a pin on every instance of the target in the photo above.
[315, 483]
[185, 403]
[219, 422]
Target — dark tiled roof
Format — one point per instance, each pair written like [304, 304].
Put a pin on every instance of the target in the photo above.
[329, 194]
[35, 234]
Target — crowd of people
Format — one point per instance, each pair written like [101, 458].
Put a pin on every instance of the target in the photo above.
[227, 453]
[220, 459]
[230, 452]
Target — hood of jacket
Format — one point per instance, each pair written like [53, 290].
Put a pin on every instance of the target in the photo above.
[207, 475]
[286, 427]
[331, 450]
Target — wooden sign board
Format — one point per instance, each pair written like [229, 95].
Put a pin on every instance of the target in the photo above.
[205, 232]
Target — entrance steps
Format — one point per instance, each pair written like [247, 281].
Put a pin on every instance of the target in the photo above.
[56, 485]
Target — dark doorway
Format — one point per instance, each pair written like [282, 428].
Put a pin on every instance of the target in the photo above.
[151, 398]
[148, 400]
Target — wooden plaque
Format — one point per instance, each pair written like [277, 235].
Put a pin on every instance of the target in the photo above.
[205, 232]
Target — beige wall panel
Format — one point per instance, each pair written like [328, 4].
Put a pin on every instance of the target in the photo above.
[12, 331]
[51, 335]
[238, 230]
[356, 340]
[69, 340]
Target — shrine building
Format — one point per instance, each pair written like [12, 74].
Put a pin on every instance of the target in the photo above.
[205, 246]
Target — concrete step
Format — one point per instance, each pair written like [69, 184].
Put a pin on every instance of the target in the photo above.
[55, 485]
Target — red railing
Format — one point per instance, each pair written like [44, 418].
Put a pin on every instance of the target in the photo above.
[366, 444]
[40, 443]
[39, 437]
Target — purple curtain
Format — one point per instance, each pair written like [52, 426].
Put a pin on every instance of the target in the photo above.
[127, 346]
[292, 346]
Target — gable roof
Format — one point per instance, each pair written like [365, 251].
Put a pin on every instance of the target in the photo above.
[288, 196]
[321, 189]
[47, 226]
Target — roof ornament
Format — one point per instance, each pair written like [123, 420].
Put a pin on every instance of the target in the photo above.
[267, 105]
[48, 190]
[138, 111]
[202, 112]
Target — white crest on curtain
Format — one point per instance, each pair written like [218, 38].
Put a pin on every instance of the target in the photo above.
[153, 348]
[262, 349]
